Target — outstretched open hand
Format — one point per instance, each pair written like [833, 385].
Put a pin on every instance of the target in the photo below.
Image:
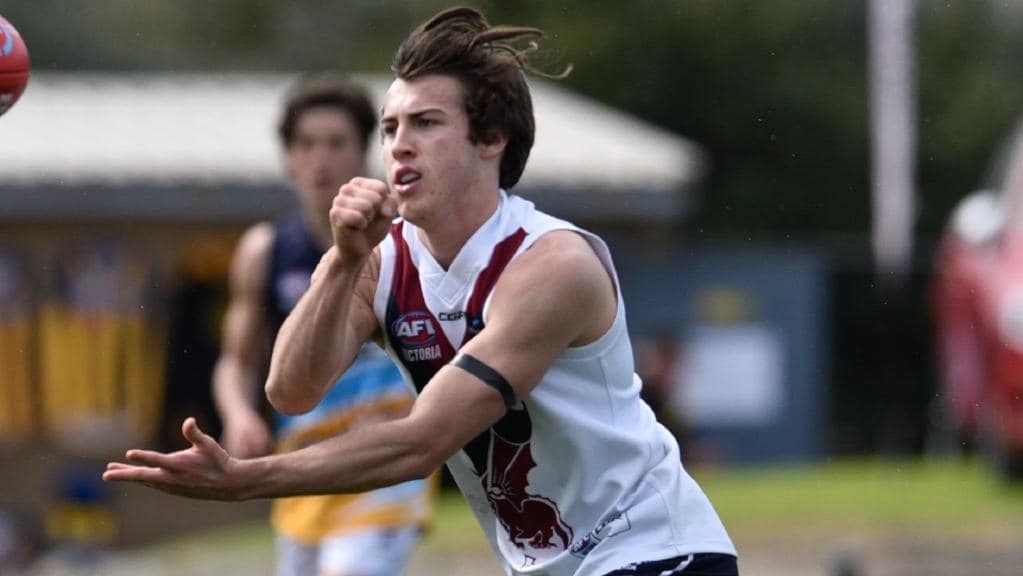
[205, 471]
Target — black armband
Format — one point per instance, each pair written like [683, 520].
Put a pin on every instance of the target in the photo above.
[488, 375]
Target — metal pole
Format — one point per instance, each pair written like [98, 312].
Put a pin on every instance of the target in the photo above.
[893, 135]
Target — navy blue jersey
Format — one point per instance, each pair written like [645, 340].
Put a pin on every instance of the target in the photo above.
[293, 257]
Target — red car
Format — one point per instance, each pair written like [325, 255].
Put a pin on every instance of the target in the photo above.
[977, 301]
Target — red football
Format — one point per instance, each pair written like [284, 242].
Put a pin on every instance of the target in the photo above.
[14, 65]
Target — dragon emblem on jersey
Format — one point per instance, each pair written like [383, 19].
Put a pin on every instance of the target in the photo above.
[531, 520]
[502, 457]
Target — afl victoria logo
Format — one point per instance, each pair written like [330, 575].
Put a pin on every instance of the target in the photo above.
[414, 329]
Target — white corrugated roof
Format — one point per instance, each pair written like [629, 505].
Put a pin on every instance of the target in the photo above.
[111, 128]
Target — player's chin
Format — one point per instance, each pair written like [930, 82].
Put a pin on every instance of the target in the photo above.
[409, 213]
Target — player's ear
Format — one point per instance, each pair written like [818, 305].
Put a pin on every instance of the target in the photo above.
[493, 146]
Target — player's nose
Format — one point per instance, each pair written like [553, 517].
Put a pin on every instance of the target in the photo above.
[402, 143]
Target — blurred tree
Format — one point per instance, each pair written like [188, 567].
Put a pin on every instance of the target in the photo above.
[971, 94]
[775, 90]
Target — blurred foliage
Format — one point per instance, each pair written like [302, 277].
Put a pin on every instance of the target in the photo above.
[775, 90]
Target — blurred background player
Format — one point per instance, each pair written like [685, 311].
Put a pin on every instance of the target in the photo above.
[324, 130]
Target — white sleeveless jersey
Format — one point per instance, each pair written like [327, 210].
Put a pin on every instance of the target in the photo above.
[578, 477]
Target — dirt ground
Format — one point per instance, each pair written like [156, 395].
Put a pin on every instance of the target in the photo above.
[904, 556]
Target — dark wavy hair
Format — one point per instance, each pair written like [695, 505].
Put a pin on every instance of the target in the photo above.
[459, 42]
[327, 90]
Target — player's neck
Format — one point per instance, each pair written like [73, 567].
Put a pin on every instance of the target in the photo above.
[446, 238]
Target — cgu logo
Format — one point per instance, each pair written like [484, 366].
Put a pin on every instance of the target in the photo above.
[414, 329]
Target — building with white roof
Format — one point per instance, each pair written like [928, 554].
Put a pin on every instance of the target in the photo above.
[203, 147]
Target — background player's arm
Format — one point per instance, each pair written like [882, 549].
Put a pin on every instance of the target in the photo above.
[245, 348]
[556, 295]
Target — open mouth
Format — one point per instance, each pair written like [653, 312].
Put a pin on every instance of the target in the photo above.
[405, 180]
[408, 177]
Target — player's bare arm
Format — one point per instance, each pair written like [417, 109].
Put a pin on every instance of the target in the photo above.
[555, 296]
[245, 347]
[323, 334]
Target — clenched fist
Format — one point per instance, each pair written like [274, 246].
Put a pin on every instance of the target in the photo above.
[361, 217]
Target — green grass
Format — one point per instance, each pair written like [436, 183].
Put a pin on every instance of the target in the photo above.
[454, 527]
[246, 539]
[881, 497]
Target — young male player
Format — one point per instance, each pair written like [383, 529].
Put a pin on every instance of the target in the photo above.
[324, 130]
[507, 321]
